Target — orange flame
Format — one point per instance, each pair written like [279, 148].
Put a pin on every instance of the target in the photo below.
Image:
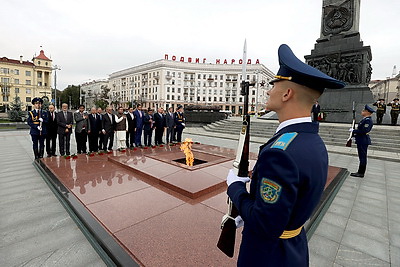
[186, 147]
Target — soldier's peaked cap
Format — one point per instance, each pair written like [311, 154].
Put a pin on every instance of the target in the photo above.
[37, 99]
[293, 69]
[369, 109]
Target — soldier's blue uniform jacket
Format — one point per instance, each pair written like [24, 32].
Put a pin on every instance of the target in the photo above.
[362, 132]
[33, 121]
[287, 183]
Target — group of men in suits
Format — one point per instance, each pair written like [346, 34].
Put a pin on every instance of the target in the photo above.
[99, 129]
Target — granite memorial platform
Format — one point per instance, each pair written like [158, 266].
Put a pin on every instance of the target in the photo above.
[143, 207]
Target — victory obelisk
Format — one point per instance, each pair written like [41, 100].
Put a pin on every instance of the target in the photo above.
[340, 53]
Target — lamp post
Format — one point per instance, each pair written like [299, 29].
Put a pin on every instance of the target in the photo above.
[55, 68]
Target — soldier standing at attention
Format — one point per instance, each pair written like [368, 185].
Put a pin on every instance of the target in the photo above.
[290, 174]
[394, 112]
[380, 111]
[37, 120]
[179, 123]
[362, 139]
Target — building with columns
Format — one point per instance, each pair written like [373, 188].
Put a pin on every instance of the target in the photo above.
[26, 79]
[387, 89]
[169, 83]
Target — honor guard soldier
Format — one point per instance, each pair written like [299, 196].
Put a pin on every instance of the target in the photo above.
[290, 174]
[394, 112]
[380, 111]
[363, 140]
[37, 120]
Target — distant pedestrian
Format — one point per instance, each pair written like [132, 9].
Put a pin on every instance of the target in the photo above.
[363, 140]
[316, 109]
[179, 122]
[170, 124]
[108, 128]
[148, 126]
[65, 121]
[37, 120]
[139, 116]
[51, 137]
[380, 111]
[394, 112]
[130, 135]
[81, 129]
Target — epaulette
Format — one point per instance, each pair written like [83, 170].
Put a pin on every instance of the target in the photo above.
[284, 141]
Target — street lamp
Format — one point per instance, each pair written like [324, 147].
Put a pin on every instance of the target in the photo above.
[55, 68]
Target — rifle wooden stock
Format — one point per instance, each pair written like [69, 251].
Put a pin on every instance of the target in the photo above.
[226, 242]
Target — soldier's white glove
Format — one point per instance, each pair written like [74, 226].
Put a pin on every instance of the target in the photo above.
[39, 128]
[183, 124]
[232, 177]
[40, 119]
[351, 129]
[239, 222]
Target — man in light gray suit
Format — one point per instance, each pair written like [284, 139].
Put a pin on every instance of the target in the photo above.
[81, 129]
[170, 124]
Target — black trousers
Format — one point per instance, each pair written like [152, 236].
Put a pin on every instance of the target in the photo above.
[93, 141]
[81, 139]
[394, 114]
[170, 135]
[158, 135]
[130, 138]
[64, 143]
[179, 130]
[51, 139]
[147, 137]
[38, 145]
[108, 139]
[379, 117]
[101, 141]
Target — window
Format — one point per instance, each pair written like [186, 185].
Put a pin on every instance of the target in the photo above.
[167, 89]
[220, 99]
[5, 98]
[173, 74]
[215, 98]
[179, 97]
[179, 90]
[221, 84]
[173, 89]
[216, 77]
[16, 81]
[17, 90]
[198, 76]
[204, 76]
[28, 91]
[179, 74]
[167, 97]
[209, 99]
[5, 70]
[253, 92]
[233, 99]
[204, 91]
[16, 72]
[39, 83]
[227, 99]
[27, 73]
[215, 91]
[215, 84]
[173, 97]
[198, 98]
[5, 80]
[28, 82]
[28, 100]
[173, 82]
[38, 62]
[222, 77]
[209, 91]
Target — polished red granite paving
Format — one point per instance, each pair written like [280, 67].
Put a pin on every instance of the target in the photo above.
[161, 214]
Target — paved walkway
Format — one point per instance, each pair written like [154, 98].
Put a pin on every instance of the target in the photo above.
[361, 228]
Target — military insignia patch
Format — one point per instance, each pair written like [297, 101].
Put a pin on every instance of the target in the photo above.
[366, 125]
[269, 190]
[284, 141]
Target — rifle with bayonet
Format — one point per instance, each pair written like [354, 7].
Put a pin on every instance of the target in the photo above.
[353, 125]
[226, 242]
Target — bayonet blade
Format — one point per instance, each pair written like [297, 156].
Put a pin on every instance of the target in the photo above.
[244, 61]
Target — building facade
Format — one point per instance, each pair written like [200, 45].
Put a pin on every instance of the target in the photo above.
[25, 79]
[93, 91]
[168, 83]
[387, 89]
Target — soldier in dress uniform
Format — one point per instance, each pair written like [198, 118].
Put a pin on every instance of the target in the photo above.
[380, 111]
[37, 120]
[179, 123]
[290, 174]
[394, 112]
[363, 140]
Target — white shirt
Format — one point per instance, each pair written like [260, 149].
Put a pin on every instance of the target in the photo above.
[292, 121]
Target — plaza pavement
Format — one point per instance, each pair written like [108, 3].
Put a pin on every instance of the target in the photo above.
[361, 227]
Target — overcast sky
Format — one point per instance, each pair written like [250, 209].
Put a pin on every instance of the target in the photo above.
[89, 39]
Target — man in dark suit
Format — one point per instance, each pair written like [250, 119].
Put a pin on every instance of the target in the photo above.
[179, 122]
[316, 109]
[159, 125]
[65, 121]
[130, 135]
[101, 135]
[139, 116]
[108, 128]
[51, 136]
[94, 129]
[148, 122]
[81, 128]
[37, 120]
[170, 124]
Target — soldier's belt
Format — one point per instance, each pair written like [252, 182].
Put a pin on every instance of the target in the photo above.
[36, 122]
[291, 233]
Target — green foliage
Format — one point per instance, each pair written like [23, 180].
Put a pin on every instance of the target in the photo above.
[46, 103]
[16, 113]
[71, 93]
[101, 103]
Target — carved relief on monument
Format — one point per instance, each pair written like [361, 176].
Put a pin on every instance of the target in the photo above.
[338, 18]
[347, 68]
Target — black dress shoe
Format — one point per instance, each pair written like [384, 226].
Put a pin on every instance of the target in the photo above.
[356, 174]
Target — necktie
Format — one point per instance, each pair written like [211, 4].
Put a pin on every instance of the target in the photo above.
[65, 115]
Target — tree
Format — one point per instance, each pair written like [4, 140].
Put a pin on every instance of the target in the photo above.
[101, 103]
[70, 95]
[16, 113]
